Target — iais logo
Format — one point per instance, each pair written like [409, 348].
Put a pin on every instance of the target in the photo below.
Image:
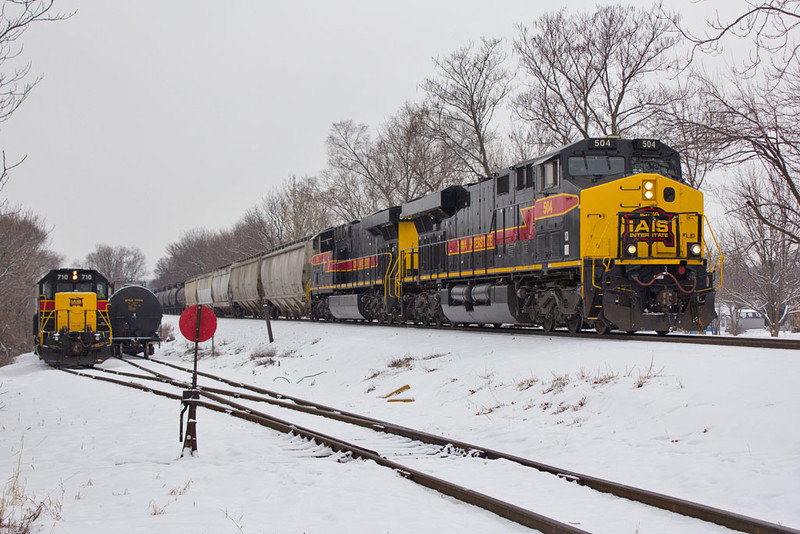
[649, 225]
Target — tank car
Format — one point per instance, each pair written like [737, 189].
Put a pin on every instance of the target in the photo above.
[135, 315]
[71, 326]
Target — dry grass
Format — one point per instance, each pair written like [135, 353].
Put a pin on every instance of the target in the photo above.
[648, 375]
[599, 378]
[558, 384]
[18, 509]
[528, 383]
[156, 509]
[166, 332]
[401, 363]
[181, 490]
[373, 374]
[264, 356]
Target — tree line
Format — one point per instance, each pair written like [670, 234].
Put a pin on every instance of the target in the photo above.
[726, 95]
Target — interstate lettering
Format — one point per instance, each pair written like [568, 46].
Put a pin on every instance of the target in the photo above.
[649, 225]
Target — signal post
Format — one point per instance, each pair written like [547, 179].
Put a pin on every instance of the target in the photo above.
[197, 323]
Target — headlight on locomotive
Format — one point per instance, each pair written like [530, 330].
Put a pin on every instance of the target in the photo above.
[648, 189]
[632, 249]
[695, 250]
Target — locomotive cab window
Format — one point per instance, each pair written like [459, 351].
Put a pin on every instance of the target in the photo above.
[551, 174]
[596, 167]
[663, 166]
[520, 178]
[502, 184]
[47, 290]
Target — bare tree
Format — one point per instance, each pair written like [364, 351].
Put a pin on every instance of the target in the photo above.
[464, 98]
[350, 196]
[594, 74]
[16, 16]
[682, 123]
[118, 264]
[769, 24]
[352, 181]
[197, 251]
[400, 164]
[751, 114]
[410, 163]
[23, 259]
[296, 210]
[253, 233]
[754, 120]
[768, 277]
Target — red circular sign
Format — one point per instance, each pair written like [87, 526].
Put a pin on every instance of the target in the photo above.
[188, 323]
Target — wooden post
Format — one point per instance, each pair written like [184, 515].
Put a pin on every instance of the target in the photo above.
[267, 313]
[190, 440]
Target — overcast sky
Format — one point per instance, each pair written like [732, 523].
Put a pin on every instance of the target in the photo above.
[154, 117]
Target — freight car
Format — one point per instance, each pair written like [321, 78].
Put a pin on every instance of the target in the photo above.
[171, 298]
[135, 315]
[71, 326]
[275, 280]
[601, 233]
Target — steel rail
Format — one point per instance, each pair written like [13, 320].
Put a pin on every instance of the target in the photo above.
[724, 341]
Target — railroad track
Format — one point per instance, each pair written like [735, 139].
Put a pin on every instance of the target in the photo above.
[415, 454]
[697, 339]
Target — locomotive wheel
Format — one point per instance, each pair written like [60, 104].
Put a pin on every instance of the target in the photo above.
[601, 326]
[574, 323]
[549, 323]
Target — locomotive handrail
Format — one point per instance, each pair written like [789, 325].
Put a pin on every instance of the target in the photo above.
[720, 257]
[392, 278]
[44, 316]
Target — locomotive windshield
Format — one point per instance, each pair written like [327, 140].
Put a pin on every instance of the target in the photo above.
[599, 166]
[662, 166]
[68, 287]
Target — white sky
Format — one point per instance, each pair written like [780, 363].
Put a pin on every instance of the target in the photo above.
[157, 117]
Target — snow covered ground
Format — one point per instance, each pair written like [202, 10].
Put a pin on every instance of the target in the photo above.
[718, 426]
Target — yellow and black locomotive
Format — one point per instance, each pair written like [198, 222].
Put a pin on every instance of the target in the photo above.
[71, 326]
[602, 233]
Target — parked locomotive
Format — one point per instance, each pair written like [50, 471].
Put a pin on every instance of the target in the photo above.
[71, 326]
[602, 233]
[135, 315]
